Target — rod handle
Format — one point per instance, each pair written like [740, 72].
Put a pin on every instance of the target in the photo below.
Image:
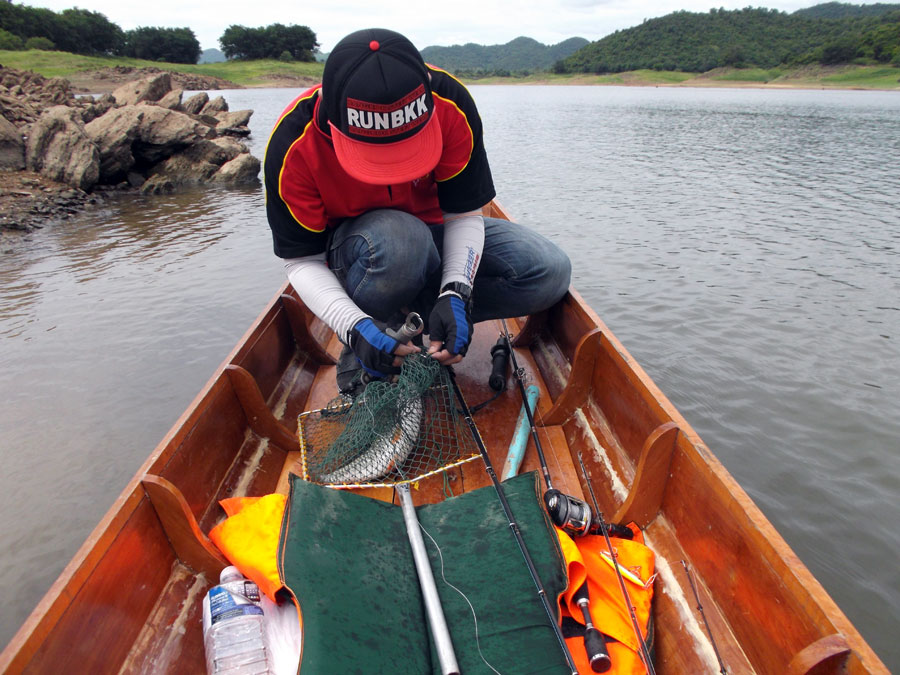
[499, 365]
[594, 642]
[595, 646]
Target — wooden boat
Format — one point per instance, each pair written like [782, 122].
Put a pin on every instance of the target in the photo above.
[130, 600]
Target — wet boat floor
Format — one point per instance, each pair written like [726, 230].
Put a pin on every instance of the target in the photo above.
[496, 424]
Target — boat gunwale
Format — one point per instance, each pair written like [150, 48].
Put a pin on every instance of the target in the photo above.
[799, 582]
[64, 590]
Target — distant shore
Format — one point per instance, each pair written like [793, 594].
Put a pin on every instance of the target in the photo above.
[806, 77]
[836, 77]
[99, 74]
[96, 82]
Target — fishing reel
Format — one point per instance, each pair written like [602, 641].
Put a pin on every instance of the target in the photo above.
[575, 518]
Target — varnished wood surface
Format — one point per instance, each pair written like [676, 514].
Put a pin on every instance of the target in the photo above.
[128, 601]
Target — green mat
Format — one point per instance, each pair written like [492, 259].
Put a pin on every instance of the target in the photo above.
[347, 559]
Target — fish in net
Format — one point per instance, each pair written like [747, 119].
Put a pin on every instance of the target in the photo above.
[393, 432]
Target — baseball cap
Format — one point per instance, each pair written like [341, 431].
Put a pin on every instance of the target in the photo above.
[377, 96]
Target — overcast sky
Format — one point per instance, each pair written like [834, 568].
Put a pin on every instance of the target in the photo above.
[448, 22]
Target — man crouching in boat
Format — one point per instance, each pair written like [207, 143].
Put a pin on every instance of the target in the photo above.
[375, 181]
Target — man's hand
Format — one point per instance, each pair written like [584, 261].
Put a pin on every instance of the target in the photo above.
[379, 354]
[449, 329]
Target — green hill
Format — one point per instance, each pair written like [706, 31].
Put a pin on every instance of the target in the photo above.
[843, 10]
[520, 55]
[211, 56]
[763, 38]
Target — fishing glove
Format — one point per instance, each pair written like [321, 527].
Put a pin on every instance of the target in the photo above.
[450, 322]
[374, 349]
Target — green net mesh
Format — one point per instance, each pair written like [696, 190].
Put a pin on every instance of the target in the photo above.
[391, 433]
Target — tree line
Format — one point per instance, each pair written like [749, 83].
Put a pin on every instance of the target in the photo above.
[288, 43]
[764, 38]
[81, 31]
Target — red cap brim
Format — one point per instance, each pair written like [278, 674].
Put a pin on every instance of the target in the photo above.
[390, 163]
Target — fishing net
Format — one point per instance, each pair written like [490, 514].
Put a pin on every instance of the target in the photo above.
[393, 432]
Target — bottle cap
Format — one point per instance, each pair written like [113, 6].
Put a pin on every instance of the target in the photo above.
[230, 573]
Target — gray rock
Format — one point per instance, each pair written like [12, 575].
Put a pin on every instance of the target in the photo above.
[195, 103]
[59, 148]
[233, 123]
[18, 111]
[227, 149]
[143, 135]
[163, 132]
[172, 100]
[195, 165]
[158, 185]
[242, 169]
[216, 151]
[216, 105]
[178, 171]
[150, 88]
[97, 108]
[114, 133]
[12, 146]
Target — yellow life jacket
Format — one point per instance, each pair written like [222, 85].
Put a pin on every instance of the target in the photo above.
[249, 538]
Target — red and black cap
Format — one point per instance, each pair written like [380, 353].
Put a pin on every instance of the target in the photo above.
[377, 96]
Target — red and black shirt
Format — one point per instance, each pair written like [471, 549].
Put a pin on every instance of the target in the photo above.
[307, 190]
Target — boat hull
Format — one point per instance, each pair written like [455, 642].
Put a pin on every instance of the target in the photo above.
[130, 598]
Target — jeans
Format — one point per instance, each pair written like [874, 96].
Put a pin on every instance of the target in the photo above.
[390, 262]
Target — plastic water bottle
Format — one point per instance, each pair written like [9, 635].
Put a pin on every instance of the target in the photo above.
[234, 631]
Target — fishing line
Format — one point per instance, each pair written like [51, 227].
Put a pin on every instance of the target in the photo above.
[475, 408]
[464, 597]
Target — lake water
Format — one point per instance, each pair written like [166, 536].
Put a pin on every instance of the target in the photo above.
[743, 244]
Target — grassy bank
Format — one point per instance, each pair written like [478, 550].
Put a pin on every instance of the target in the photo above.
[272, 73]
[807, 77]
[244, 73]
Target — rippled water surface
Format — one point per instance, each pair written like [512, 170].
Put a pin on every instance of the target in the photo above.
[742, 244]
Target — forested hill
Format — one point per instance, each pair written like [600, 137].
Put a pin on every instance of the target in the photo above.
[520, 55]
[698, 42]
[843, 10]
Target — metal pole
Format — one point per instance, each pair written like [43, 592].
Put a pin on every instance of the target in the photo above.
[442, 642]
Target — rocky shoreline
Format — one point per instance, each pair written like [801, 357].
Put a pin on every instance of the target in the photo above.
[107, 80]
[60, 152]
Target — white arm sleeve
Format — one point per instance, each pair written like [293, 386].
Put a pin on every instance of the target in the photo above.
[321, 291]
[463, 244]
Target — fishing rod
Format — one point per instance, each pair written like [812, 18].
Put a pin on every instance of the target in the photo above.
[572, 515]
[513, 525]
[644, 650]
[712, 640]
[569, 513]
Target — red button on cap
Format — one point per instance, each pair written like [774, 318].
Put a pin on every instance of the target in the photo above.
[373, 45]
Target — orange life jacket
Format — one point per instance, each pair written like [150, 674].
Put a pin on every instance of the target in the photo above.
[588, 559]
